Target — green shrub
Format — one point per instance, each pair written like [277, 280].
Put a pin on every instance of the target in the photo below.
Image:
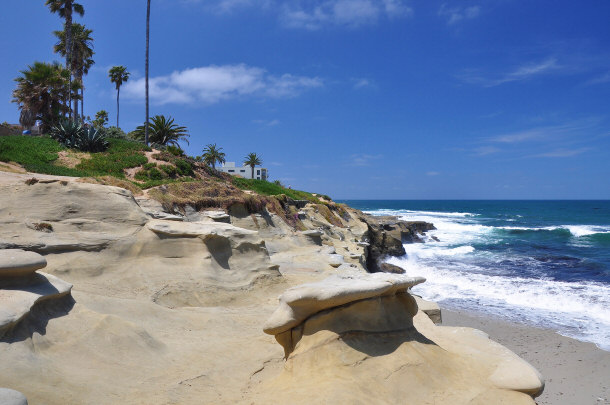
[175, 150]
[184, 168]
[171, 171]
[141, 175]
[155, 174]
[114, 132]
[150, 165]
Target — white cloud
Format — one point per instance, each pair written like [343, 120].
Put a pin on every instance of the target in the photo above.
[267, 123]
[362, 83]
[600, 79]
[457, 14]
[559, 153]
[363, 159]
[520, 73]
[212, 84]
[313, 15]
[486, 150]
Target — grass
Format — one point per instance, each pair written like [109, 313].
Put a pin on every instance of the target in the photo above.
[35, 154]
[121, 154]
[267, 188]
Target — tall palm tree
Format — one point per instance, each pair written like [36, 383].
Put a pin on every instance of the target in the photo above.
[146, 68]
[118, 75]
[163, 131]
[82, 53]
[252, 160]
[213, 154]
[43, 89]
[65, 9]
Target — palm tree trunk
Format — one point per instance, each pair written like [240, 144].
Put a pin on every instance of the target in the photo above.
[146, 68]
[252, 167]
[76, 107]
[68, 30]
[82, 103]
[118, 90]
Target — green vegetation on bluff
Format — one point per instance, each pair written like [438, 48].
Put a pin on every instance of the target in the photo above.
[267, 188]
[41, 155]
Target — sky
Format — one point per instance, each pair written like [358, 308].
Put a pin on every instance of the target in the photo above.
[359, 99]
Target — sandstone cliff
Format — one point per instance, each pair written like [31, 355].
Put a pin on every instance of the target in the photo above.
[168, 307]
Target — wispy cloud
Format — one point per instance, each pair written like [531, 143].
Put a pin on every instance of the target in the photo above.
[316, 14]
[212, 84]
[519, 73]
[363, 159]
[485, 150]
[433, 173]
[267, 123]
[457, 14]
[560, 153]
[605, 78]
[566, 130]
[361, 83]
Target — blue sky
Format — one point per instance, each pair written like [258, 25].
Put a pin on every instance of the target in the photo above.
[370, 99]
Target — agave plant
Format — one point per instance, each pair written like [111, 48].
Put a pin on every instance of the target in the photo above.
[67, 132]
[72, 134]
[91, 140]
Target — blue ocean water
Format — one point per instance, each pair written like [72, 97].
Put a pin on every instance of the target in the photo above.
[544, 263]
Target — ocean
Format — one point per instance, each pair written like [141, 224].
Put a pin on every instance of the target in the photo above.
[542, 263]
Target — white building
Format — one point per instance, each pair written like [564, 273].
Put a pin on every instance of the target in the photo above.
[244, 171]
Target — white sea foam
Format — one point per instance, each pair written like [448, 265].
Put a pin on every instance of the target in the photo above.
[458, 275]
[577, 309]
[576, 230]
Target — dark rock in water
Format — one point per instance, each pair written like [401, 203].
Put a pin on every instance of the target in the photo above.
[386, 235]
[390, 268]
[434, 238]
[12, 397]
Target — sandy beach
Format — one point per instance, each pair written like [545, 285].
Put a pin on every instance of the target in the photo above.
[576, 373]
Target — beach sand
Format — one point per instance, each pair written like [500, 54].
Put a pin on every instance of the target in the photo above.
[576, 373]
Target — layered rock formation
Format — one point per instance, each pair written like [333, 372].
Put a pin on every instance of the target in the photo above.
[168, 307]
[22, 287]
[362, 340]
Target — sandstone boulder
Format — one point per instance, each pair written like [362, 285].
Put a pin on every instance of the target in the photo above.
[364, 340]
[17, 301]
[19, 263]
[12, 397]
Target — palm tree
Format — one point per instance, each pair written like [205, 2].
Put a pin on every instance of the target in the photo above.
[43, 90]
[212, 154]
[118, 75]
[65, 8]
[146, 68]
[163, 131]
[82, 52]
[252, 160]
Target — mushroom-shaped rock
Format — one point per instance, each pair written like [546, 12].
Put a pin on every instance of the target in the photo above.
[12, 397]
[19, 263]
[312, 233]
[16, 302]
[218, 216]
[300, 302]
[336, 260]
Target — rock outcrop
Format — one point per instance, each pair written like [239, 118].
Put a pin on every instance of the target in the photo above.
[12, 397]
[385, 237]
[362, 340]
[21, 287]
